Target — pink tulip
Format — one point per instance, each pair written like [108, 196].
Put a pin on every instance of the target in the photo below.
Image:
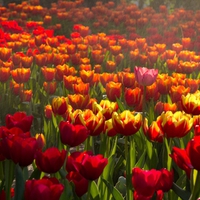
[145, 76]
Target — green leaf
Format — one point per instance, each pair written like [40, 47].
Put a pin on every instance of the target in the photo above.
[19, 184]
[115, 193]
[94, 192]
[141, 161]
[36, 174]
[185, 195]
[120, 104]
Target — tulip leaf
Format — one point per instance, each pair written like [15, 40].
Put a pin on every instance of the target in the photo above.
[115, 193]
[185, 195]
[141, 161]
[94, 191]
[35, 174]
[19, 184]
[120, 104]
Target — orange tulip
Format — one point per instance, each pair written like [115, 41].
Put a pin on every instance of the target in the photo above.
[68, 81]
[191, 103]
[133, 97]
[177, 91]
[4, 74]
[50, 87]
[26, 61]
[110, 66]
[48, 73]
[160, 107]
[5, 53]
[115, 50]
[193, 84]
[40, 59]
[164, 83]
[177, 47]
[48, 111]
[176, 124]
[113, 90]
[21, 75]
[26, 95]
[126, 123]
[107, 77]
[86, 76]
[78, 101]
[81, 88]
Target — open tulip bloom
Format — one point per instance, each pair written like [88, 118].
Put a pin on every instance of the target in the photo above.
[99, 102]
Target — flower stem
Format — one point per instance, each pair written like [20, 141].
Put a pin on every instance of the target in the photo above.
[195, 191]
[89, 188]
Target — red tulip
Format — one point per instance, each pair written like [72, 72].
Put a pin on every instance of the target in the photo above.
[145, 181]
[145, 76]
[20, 120]
[166, 180]
[45, 188]
[193, 151]
[80, 183]
[88, 165]
[51, 160]
[181, 158]
[59, 105]
[72, 135]
[20, 150]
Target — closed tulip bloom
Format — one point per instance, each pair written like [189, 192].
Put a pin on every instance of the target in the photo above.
[113, 90]
[191, 103]
[51, 160]
[78, 101]
[154, 131]
[145, 181]
[45, 188]
[48, 73]
[72, 135]
[80, 183]
[126, 123]
[59, 105]
[20, 120]
[193, 152]
[91, 166]
[21, 75]
[182, 160]
[4, 74]
[21, 149]
[145, 76]
[166, 180]
[176, 124]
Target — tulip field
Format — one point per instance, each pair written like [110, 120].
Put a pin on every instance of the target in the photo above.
[102, 103]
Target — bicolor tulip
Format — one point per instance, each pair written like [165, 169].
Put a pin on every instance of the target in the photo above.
[191, 103]
[59, 105]
[126, 123]
[176, 124]
[113, 90]
[21, 75]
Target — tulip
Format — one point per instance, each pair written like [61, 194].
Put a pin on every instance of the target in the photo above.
[68, 81]
[93, 122]
[4, 74]
[160, 107]
[113, 90]
[20, 149]
[176, 124]
[126, 123]
[182, 160]
[48, 111]
[51, 160]
[80, 183]
[59, 105]
[191, 103]
[20, 120]
[88, 165]
[5, 53]
[81, 88]
[145, 76]
[72, 135]
[45, 188]
[145, 181]
[48, 73]
[154, 131]
[50, 87]
[78, 101]
[21, 75]
[133, 97]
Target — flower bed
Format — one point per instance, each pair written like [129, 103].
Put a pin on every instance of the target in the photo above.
[119, 82]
